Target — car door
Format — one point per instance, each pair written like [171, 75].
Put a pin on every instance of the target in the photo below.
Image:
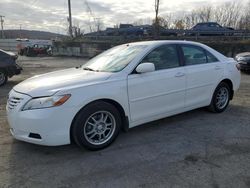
[156, 93]
[203, 73]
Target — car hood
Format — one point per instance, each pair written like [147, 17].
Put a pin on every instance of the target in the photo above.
[50, 83]
[244, 54]
[243, 57]
[12, 54]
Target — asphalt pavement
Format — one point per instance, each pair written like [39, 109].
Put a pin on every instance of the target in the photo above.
[193, 149]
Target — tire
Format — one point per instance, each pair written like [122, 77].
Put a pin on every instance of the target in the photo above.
[96, 126]
[221, 98]
[3, 78]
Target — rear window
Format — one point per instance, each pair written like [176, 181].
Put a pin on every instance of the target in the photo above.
[194, 55]
[211, 58]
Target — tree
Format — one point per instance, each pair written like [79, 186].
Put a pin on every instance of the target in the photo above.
[244, 22]
[98, 24]
[204, 14]
[162, 22]
[231, 14]
[228, 14]
[179, 24]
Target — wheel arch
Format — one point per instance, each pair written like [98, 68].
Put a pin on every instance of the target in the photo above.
[230, 84]
[117, 105]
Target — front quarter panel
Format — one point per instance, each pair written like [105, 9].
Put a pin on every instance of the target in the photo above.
[113, 88]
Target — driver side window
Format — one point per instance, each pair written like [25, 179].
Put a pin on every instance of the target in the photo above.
[163, 57]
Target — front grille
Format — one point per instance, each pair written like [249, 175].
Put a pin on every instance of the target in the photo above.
[13, 102]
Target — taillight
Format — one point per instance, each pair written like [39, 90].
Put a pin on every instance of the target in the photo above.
[238, 66]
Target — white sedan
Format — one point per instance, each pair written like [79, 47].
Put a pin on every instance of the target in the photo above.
[125, 86]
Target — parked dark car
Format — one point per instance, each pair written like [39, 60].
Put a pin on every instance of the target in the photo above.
[244, 61]
[8, 66]
[149, 29]
[130, 31]
[210, 29]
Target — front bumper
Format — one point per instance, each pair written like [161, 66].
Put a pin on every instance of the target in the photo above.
[14, 70]
[244, 66]
[49, 126]
[18, 69]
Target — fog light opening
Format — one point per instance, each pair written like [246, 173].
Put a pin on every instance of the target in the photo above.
[34, 135]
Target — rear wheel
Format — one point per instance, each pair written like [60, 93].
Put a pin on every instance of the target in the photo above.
[96, 126]
[220, 98]
[3, 78]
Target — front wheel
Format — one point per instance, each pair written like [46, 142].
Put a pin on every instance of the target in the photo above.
[3, 78]
[96, 126]
[220, 98]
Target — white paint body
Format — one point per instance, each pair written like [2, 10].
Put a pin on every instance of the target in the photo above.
[144, 97]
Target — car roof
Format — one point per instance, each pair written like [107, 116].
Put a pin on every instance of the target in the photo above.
[244, 54]
[207, 23]
[155, 43]
[158, 42]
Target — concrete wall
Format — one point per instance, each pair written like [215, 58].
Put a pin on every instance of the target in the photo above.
[230, 49]
[82, 49]
[67, 51]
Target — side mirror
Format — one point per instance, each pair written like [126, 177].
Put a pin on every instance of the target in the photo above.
[145, 67]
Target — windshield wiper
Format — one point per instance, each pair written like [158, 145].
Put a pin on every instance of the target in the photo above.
[89, 69]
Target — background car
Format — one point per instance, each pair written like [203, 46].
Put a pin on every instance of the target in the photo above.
[8, 66]
[210, 29]
[244, 61]
[36, 50]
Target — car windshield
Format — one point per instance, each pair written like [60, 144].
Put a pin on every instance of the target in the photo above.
[114, 59]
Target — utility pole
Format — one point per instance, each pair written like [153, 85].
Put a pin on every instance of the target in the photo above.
[156, 33]
[20, 32]
[1, 20]
[98, 24]
[70, 19]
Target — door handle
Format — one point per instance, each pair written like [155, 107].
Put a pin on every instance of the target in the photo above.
[217, 67]
[180, 74]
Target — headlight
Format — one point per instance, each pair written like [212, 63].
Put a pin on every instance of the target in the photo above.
[240, 58]
[45, 102]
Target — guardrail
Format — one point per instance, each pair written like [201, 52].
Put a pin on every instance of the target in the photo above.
[237, 34]
[180, 35]
[90, 46]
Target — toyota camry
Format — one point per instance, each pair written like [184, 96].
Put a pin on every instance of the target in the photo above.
[121, 88]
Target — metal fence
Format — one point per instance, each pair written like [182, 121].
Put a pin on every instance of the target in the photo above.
[236, 35]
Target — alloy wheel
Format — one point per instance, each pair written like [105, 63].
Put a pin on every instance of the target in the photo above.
[99, 127]
[222, 98]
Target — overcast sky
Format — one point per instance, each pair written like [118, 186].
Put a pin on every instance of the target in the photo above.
[51, 15]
